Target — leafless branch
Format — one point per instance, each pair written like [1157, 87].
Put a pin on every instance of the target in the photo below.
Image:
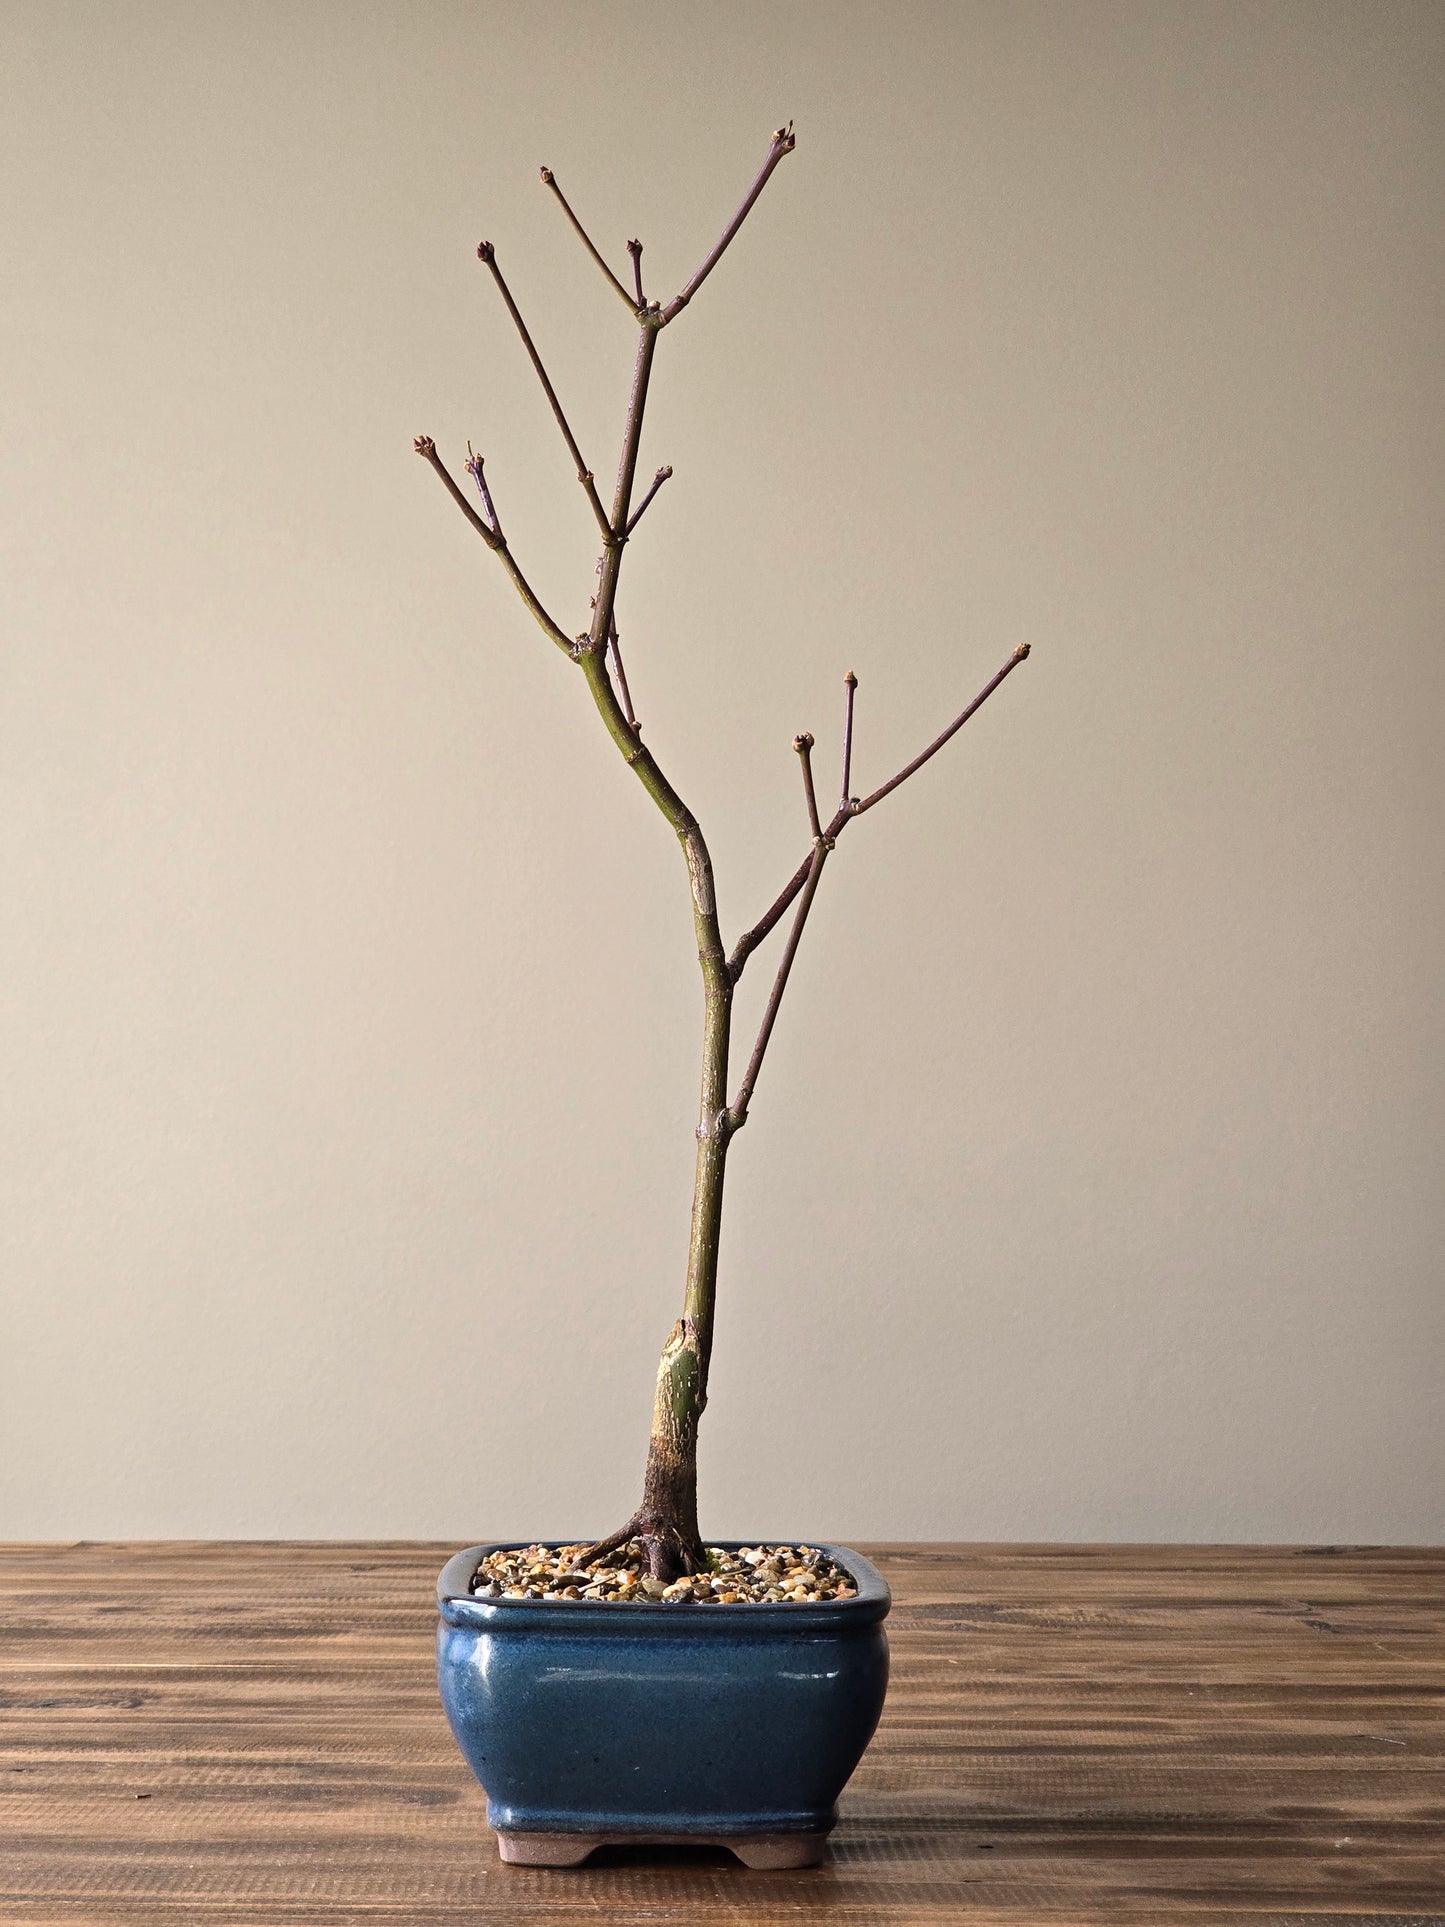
[850, 683]
[487, 253]
[550, 180]
[783, 142]
[634, 248]
[476, 469]
[804, 746]
[738, 1110]
[748, 942]
[427, 449]
[1019, 655]
[496, 541]
[662, 475]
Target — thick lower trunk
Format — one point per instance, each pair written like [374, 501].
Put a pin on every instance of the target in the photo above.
[668, 1513]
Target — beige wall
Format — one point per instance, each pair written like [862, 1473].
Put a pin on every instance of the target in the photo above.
[1094, 1187]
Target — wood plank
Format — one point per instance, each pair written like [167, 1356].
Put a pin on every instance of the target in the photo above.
[231, 1735]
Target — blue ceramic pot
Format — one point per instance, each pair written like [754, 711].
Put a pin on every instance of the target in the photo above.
[588, 1722]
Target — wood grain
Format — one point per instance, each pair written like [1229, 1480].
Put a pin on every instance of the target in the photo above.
[250, 1734]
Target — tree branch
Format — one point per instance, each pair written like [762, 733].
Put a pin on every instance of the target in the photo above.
[748, 942]
[476, 469]
[662, 475]
[850, 683]
[495, 540]
[783, 142]
[804, 746]
[634, 248]
[550, 180]
[738, 1109]
[1019, 655]
[487, 253]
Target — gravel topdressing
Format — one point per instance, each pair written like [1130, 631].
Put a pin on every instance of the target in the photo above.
[753, 1575]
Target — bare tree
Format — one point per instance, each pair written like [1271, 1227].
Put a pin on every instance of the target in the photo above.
[666, 1519]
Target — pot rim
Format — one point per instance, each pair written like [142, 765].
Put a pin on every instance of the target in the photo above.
[459, 1606]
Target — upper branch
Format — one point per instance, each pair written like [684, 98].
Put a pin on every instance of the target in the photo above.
[550, 180]
[487, 253]
[783, 142]
[1019, 655]
[492, 535]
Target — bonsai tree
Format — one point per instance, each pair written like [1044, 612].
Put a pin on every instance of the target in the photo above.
[666, 1519]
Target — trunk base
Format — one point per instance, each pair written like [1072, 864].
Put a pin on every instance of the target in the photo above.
[666, 1521]
[668, 1549]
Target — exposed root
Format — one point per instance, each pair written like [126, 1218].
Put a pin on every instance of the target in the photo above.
[668, 1551]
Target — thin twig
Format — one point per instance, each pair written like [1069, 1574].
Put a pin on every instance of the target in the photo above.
[748, 942]
[496, 541]
[738, 1110]
[623, 690]
[427, 449]
[1019, 655]
[634, 248]
[850, 682]
[487, 253]
[804, 746]
[783, 142]
[475, 468]
[662, 475]
[551, 181]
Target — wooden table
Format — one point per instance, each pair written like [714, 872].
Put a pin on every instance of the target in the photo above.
[250, 1734]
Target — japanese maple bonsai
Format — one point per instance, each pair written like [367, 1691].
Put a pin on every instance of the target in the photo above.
[666, 1520]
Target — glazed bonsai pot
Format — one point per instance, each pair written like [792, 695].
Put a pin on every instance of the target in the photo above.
[590, 1723]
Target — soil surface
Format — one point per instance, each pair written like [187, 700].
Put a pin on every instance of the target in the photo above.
[752, 1576]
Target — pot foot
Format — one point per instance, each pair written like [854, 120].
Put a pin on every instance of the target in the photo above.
[757, 1850]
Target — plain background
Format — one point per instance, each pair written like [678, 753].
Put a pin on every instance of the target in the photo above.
[1093, 1189]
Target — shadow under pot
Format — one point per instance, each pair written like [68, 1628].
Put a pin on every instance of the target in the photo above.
[595, 1724]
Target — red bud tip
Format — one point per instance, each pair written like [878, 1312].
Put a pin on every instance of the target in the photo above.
[547, 176]
[851, 680]
[485, 251]
[800, 743]
[424, 445]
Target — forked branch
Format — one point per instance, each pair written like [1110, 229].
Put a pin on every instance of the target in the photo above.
[493, 537]
[850, 807]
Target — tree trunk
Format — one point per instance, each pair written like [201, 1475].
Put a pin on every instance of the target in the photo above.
[666, 1520]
